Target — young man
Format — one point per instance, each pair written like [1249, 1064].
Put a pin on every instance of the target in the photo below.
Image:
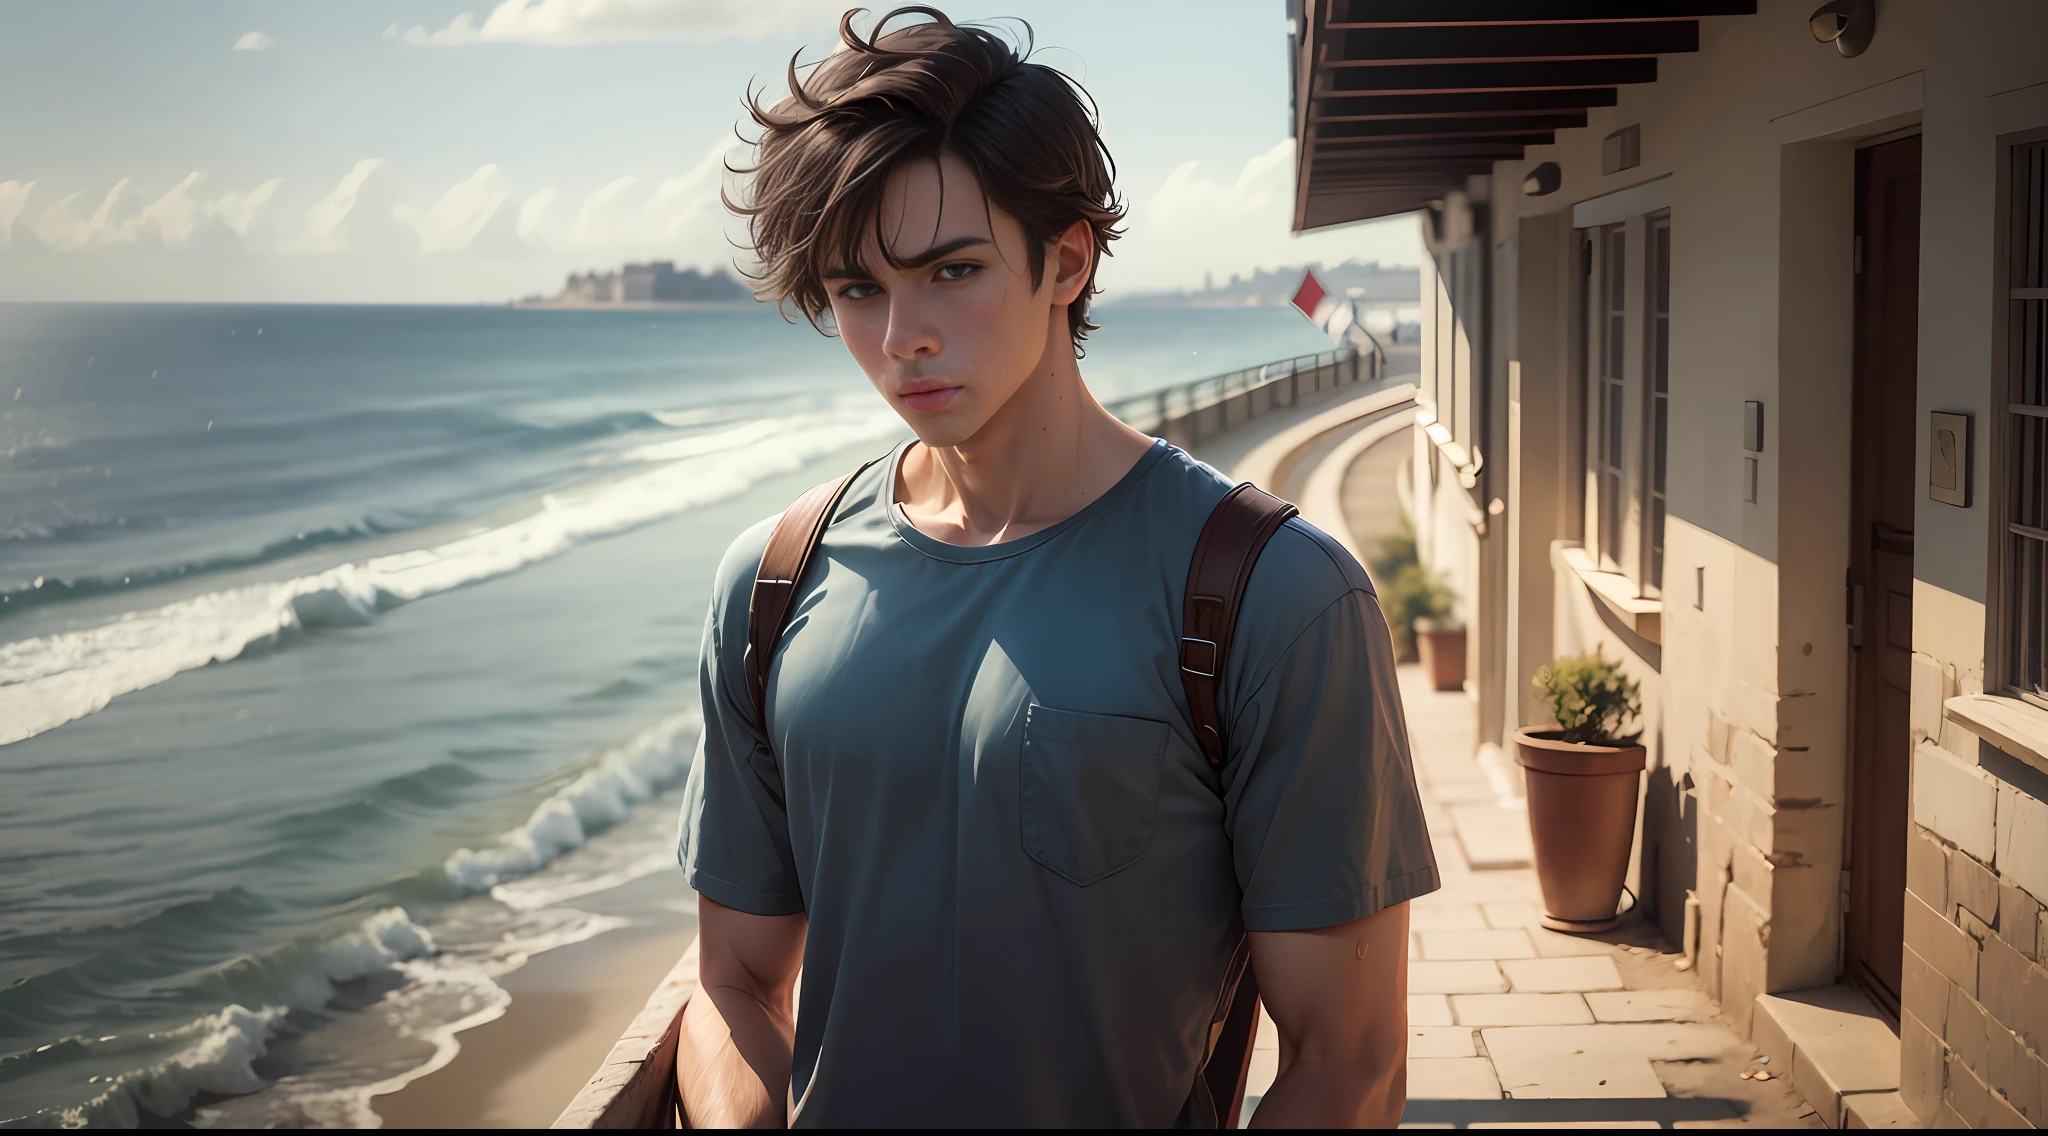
[976, 815]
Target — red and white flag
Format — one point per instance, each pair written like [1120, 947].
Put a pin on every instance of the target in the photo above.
[1333, 313]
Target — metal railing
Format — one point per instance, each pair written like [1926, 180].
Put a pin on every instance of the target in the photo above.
[1186, 413]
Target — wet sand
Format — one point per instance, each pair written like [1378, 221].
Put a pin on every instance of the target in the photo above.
[568, 1006]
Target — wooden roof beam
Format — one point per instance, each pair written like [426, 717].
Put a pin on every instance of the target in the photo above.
[1495, 147]
[1357, 14]
[1375, 108]
[1451, 127]
[1480, 43]
[1547, 74]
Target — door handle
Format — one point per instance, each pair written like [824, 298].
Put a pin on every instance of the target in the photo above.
[1855, 613]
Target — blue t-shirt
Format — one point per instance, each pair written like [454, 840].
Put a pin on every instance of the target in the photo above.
[1024, 881]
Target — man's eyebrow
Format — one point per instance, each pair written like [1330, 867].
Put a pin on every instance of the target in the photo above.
[934, 253]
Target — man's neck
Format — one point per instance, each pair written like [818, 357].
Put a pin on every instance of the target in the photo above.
[1046, 455]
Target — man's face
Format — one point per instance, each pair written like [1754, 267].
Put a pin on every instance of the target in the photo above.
[949, 338]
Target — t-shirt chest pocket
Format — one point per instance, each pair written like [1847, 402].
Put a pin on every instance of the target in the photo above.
[1090, 790]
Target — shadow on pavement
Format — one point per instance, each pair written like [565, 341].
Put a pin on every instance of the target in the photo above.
[1663, 1111]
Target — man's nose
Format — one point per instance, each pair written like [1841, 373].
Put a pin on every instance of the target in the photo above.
[912, 333]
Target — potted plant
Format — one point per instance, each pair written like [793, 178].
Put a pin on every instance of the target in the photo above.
[1582, 778]
[1426, 606]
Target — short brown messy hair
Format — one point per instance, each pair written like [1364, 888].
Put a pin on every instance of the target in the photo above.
[920, 91]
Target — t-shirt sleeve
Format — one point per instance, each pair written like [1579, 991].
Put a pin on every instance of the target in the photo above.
[735, 845]
[1325, 820]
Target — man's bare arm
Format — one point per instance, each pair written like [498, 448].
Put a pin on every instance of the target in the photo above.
[732, 1063]
[1339, 996]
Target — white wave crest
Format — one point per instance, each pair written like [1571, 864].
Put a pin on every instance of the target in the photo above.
[218, 1056]
[47, 681]
[383, 941]
[633, 772]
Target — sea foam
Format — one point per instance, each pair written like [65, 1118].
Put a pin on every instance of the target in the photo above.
[217, 1053]
[47, 681]
[603, 796]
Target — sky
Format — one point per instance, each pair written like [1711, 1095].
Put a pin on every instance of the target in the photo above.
[478, 150]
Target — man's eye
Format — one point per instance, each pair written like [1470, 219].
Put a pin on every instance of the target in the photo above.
[859, 291]
[958, 270]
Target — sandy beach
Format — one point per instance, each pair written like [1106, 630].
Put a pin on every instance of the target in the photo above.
[568, 1006]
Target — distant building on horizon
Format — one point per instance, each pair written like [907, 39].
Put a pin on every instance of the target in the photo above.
[654, 282]
[1366, 281]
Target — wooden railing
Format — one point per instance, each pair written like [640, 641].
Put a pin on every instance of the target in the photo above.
[1187, 413]
[636, 1085]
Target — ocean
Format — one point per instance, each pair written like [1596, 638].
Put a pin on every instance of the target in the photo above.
[343, 649]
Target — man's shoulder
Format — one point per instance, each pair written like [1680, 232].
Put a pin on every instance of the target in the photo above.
[1301, 561]
[734, 580]
[1304, 558]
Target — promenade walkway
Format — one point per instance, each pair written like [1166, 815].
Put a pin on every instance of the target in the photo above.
[1510, 1025]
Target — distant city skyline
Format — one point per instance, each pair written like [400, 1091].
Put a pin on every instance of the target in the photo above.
[465, 152]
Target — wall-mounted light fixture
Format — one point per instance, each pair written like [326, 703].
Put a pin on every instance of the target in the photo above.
[1544, 179]
[1848, 24]
[1449, 225]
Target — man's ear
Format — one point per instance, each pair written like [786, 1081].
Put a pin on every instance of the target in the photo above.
[1071, 257]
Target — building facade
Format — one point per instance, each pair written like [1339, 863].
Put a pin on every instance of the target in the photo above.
[1735, 368]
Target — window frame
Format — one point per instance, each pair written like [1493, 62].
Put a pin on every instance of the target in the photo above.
[1622, 500]
[2014, 606]
[1656, 317]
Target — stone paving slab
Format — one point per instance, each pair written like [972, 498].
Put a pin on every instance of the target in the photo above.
[1476, 944]
[1520, 1010]
[1493, 835]
[1429, 1010]
[1576, 974]
[1441, 1041]
[1511, 913]
[1426, 916]
[1467, 976]
[1673, 1004]
[1560, 1061]
[1452, 1078]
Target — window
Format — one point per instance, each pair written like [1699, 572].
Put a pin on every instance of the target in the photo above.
[2023, 590]
[1610, 391]
[1660, 399]
[1626, 370]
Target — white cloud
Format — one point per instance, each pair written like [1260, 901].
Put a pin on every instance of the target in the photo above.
[681, 216]
[604, 220]
[254, 41]
[238, 211]
[174, 219]
[539, 219]
[14, 197]
[575, 22]
[462, 212]
[360, 215]
[1192, 225]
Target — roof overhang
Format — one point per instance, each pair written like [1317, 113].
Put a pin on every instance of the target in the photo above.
[1397, 102]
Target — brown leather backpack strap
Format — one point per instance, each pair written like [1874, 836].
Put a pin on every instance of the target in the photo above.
[1225, 554]
[790, 549]
[1236, 532]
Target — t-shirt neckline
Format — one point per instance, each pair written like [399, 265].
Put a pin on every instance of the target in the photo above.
[977, 554]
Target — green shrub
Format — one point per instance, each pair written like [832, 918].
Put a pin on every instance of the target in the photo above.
[1591, 698]
[1414, 593]
[1396, 551]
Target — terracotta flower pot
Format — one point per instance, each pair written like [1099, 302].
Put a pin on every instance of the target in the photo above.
[1442, 654]
[1582, 822]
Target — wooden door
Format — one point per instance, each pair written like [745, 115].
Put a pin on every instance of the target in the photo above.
[1881, 557]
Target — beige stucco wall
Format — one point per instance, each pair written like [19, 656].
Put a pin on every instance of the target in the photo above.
[1748, 689]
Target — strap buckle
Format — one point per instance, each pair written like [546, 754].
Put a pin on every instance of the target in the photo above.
[1187, 661]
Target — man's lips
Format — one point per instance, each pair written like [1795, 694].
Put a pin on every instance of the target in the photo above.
[925, 397]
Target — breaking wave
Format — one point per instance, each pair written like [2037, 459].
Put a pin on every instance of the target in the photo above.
[47, 681]
[652, 761]
[217, 1053]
